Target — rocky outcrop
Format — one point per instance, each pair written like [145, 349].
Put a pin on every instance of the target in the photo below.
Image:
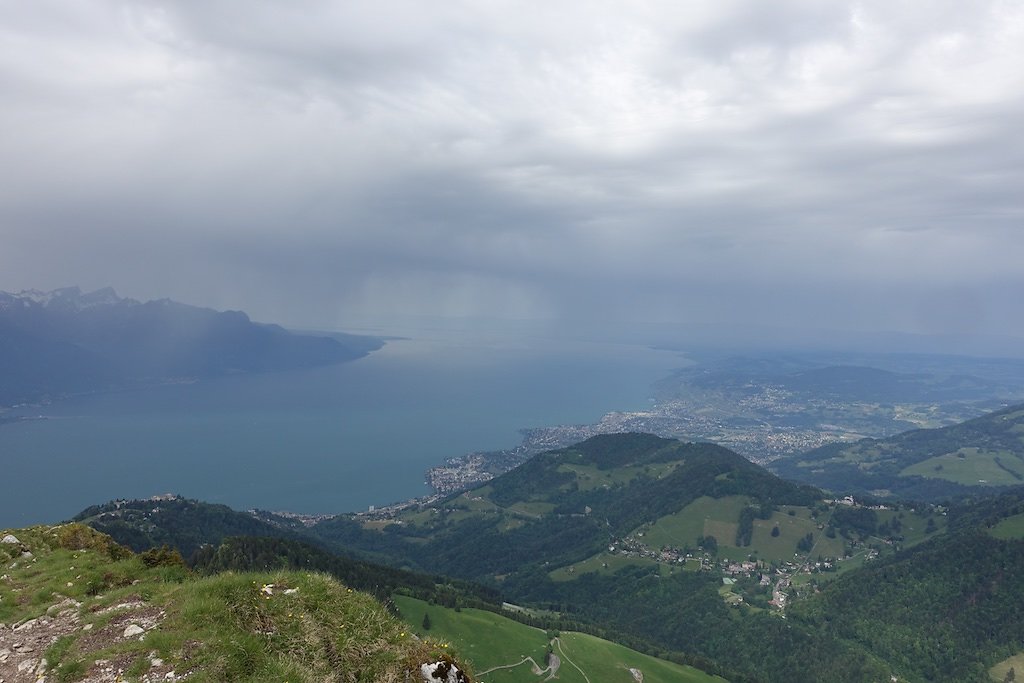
[443, 671]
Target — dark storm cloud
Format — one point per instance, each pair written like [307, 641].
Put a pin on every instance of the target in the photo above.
[802, 163]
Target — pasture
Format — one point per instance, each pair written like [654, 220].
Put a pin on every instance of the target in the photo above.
[497, 649]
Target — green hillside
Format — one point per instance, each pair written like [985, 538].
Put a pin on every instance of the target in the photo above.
[498, 647]
[926, 464]
[690, 552]
[655, 541]
[562, 506]
[777, 537]
[91, 608]
[945, 611]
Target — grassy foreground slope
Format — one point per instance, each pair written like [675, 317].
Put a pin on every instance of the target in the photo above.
[498, 648]
[80, 607]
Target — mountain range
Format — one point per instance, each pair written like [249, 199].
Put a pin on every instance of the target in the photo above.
[65, 341]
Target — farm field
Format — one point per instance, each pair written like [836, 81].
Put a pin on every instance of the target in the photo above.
[913, 525]
[791, 529]
[1000, 670]
[703, 517]
[609, 563]
[589, 477]
[1009, 528]
[719, 518]
[971, 466]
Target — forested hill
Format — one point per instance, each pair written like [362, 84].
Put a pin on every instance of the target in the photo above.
[180, 523]
[946, 610]
[923, 464]
[563, 506]
[666, 473]
[66, 341]
[213, 538]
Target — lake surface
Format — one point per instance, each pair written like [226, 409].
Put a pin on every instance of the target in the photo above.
[328, 440]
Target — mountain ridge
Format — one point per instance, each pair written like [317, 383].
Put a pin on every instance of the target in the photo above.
[558, 506]
[62, 342]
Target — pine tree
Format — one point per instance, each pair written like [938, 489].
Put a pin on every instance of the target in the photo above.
[426, 621]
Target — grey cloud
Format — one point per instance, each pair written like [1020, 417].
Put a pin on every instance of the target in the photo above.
[717, 162]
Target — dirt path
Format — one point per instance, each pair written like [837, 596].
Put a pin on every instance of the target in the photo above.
[536, 667]
[23, 645]
[559, 643]
[553, 663]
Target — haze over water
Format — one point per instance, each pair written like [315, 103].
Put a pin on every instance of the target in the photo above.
[327, 440]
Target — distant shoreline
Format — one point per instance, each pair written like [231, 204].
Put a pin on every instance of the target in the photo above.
[369, 347]
[21, 418]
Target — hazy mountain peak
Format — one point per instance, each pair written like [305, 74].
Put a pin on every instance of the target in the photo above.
[65, 341]
[66, 297]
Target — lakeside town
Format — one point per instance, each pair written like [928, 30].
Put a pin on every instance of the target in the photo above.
[764, 423]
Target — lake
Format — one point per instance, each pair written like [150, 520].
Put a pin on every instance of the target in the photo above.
[334, 439]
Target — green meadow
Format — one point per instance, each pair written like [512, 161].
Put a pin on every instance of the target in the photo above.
[972, 466]
[1000, 670]
[609, 563]
[497, 648]
[718, 517]
[1009, 528]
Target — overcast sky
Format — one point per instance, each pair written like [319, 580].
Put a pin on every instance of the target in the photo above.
[854, 166]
